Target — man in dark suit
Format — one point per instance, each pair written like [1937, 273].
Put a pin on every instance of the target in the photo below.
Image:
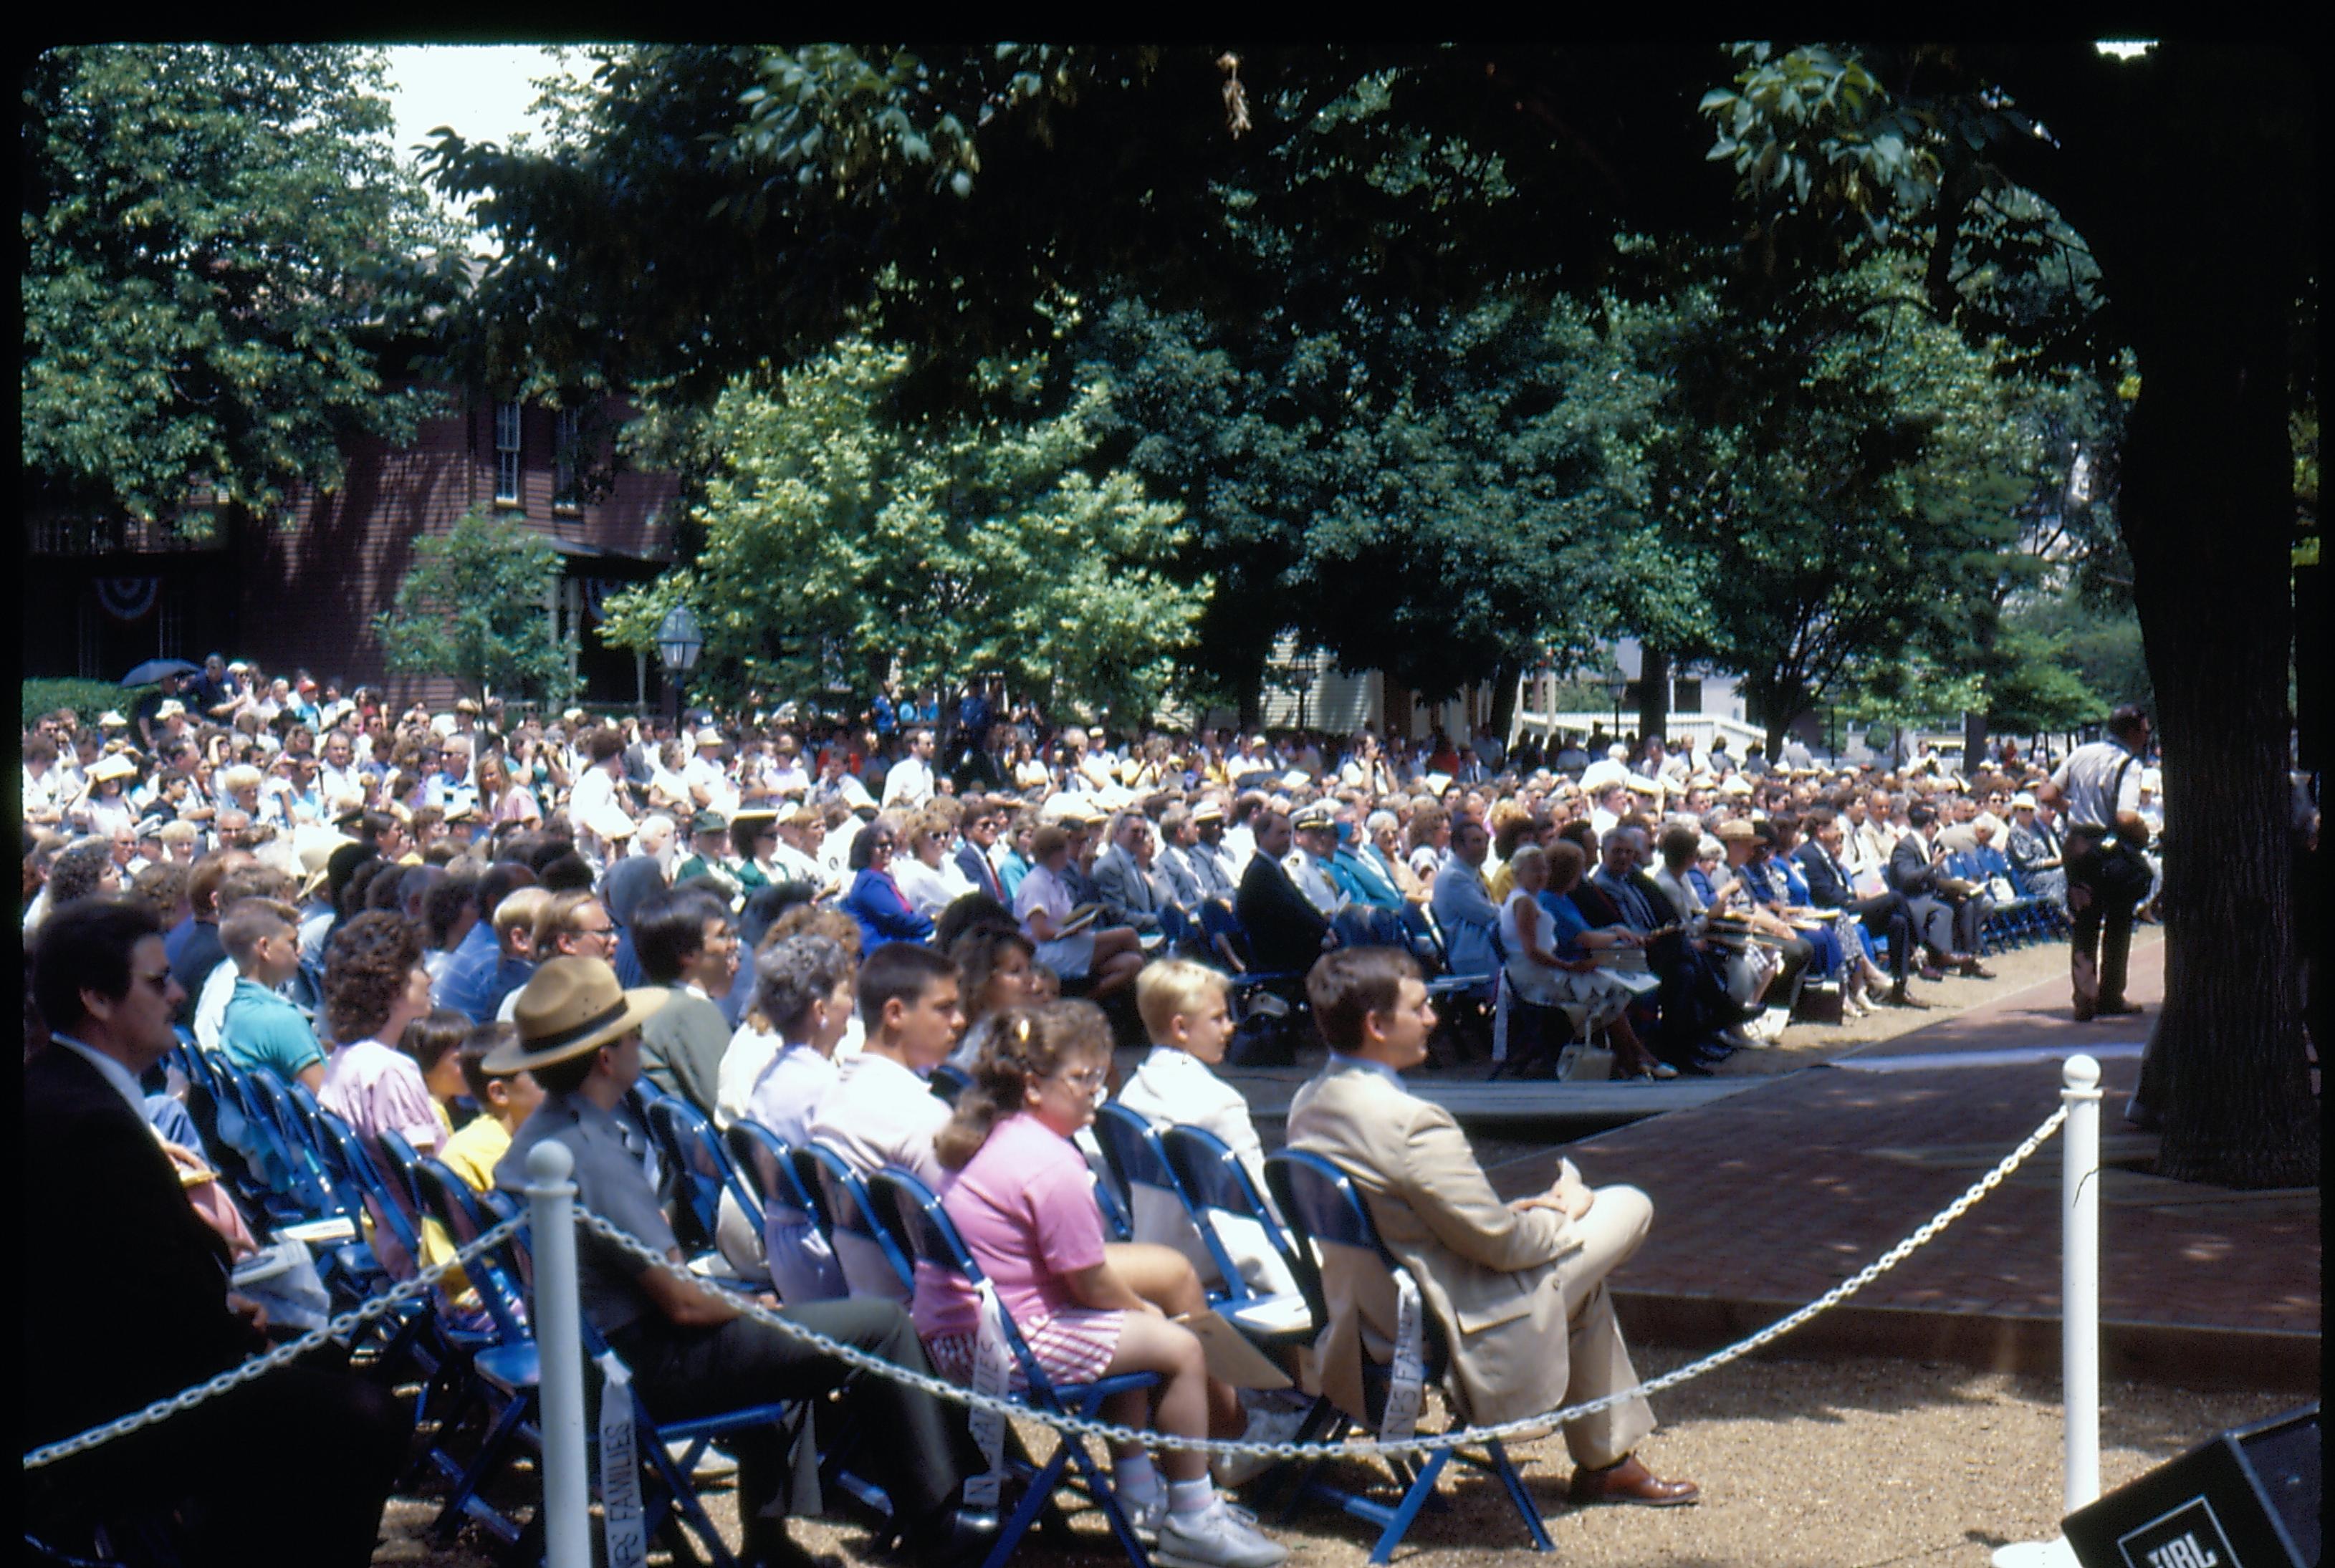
[983, 822]
[1948, 926]
[1885, 914]
[138, 1307]
[1694, 1008]
[1285, 930]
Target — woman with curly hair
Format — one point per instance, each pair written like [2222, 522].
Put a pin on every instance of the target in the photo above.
[86, 870]
[374, 985]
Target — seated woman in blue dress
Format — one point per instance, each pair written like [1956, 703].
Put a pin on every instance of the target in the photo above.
[876, 901]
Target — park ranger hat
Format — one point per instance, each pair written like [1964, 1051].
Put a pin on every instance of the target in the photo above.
[573, 1005]
[709, 822]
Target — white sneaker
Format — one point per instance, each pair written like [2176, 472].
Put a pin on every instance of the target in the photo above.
[1216, 1536]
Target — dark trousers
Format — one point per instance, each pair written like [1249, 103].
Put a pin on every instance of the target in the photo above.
[918, 1450]
[2100, 943]
[1886, 915]
[1695, 1004]
[294, 1468]
[1947, 928]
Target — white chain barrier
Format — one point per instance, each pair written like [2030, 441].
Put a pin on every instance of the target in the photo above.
[282, 1355]
[1537, 1426]
[1074, 1425]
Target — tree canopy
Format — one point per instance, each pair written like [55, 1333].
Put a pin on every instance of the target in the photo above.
[220, 244]
[844, 541]
[474, 606]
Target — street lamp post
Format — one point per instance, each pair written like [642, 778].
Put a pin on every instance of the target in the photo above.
[679, 643]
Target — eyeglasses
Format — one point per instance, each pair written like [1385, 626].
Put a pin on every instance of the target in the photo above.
[158, 978]
[1086, 1079]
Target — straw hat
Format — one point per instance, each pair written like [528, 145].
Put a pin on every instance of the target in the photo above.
[116, 765]
[573, 1005]
[1737, 829]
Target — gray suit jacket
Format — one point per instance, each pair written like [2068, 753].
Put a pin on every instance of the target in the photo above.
[1128, 898]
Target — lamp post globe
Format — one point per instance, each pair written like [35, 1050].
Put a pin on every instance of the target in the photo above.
[679, 640]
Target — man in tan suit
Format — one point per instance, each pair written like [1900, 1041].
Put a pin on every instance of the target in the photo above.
[1520, 1289]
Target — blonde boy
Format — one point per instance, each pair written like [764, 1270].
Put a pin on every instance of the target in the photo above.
[1187, 1011]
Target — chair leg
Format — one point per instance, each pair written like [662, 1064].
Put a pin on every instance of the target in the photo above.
[1520, 1497]
[491, 1457]
[1413, 1500]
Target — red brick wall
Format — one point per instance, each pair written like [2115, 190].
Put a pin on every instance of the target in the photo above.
[312, 584]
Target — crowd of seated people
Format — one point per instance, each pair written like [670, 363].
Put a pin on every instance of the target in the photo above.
[822, 941]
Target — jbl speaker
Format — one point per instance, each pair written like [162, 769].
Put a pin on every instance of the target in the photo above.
[2248, 1499]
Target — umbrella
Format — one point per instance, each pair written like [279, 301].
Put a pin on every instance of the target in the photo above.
[153, 670]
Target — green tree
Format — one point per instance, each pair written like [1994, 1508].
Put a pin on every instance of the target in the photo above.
[844, 541]
[1836, 477]
[2201, 222]
[473, 607]
[220, 244]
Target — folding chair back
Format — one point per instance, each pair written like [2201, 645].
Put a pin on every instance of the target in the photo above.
[493, 1274]
[693, 1154]
[402, 1158]
[948, 1082]
[1216, 1182]
[1131, 1148]
[875, 1263]
[351, 1164]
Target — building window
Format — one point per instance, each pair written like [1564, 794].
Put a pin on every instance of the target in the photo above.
[1686, 696]
[567, 462]
[507, 454]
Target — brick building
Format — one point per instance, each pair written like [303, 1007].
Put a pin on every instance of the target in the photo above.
[301, 592]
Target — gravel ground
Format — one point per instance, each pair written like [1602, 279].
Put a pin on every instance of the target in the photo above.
[1833, 1464]
[1803, 1464]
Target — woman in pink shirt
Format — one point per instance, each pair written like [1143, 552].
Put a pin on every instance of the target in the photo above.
[1023, 1198]
[374, 985]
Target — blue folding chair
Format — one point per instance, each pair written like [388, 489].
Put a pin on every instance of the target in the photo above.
[502, 1367]
[1324, 1209]
[948, 1082]
[874, 1261]
[1130, 1147]
[771, 1187]
[934, 1240]
[1214, 1183]
[698, 1166]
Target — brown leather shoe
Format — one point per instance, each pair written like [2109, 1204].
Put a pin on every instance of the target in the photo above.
[1629, 1482]
[1969, 965]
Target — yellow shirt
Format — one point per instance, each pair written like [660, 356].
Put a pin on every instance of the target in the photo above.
[471, 1154]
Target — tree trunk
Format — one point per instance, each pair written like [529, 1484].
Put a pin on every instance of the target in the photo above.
[1654, 693]
[1973, 741]
[1505, 677]
[2208, 509]
[1251, 698]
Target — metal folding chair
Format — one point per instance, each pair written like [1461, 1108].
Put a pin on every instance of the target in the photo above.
[1324, 1209]
[875, 1262]
[934, 1240]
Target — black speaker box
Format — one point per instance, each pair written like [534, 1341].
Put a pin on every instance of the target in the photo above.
[2248, 1499]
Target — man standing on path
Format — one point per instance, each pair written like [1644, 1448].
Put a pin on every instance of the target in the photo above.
[2098, 788]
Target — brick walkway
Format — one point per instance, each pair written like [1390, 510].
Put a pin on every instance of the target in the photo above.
[1765, 1199]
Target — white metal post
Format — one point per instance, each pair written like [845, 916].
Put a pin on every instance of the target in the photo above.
[558, 1337]
[2079, 1310]
[2079, 1278]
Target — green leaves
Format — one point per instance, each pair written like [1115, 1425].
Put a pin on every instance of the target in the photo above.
[474, 605]
[840, 528]
[219, 246]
